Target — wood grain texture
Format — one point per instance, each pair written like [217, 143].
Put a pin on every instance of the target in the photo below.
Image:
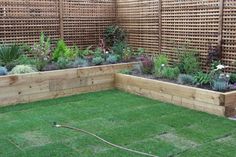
[53, 84]
[222, 104]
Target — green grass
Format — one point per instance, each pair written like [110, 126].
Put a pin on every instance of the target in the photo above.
[128, 120]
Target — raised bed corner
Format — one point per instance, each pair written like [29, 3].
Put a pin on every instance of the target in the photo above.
[222, 104]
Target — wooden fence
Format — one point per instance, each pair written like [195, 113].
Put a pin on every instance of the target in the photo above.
[159, 26]
[79, 22]
[162, 26]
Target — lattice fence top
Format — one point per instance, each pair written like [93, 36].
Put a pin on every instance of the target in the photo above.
[159, 26]
[83, 22]
[180, 22]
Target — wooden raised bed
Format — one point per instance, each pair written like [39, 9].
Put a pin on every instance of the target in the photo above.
[222, 104]
[25, 88]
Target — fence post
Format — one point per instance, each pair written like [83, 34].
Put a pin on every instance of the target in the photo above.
[220, 30]
[160, 25]
[116, 12]
[61, 19]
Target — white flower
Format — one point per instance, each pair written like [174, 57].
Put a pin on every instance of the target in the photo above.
[227, 76]
[219, 67]
[163, 65]
[107, 52]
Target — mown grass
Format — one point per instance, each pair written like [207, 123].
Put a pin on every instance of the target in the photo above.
[128, 120]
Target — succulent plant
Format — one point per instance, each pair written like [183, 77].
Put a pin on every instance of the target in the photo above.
[97, 60]
[63, 62]
[50, 67]
[80, 62]
[220, 85]
[185, 79]
[3, 71]
[22, 69]
[112, 59]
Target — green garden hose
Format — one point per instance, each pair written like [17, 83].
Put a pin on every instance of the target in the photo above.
[101, 139]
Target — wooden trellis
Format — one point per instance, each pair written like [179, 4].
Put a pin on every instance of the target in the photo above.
[159, 26]
[80, 22]
[164, 25]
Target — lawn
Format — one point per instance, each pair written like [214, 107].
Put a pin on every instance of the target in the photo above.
[128, 120]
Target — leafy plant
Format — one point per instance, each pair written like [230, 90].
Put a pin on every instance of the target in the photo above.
[127, 54]
[159, 64]
[170, 73]
[62, 51]
[214, 64]
[98, 60]
[80, 53]
[80, 62]
[139, 52]
[112, 59]
[114, 34]
[201, 78]
[189, 62]
[25, 60]
[63, 63]
[214, 54]
[232, 79]
[9, 54]
[98, 52]
[118, 48]
[41, 51]
[22, 69]
[147, 64]
[220, 79]
[125, 71]
[3, 71]
[185, 79]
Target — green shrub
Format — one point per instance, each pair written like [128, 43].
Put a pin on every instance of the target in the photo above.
[202, 78]
[127, 54]
[98, 53]
[8, 55]
[24, 60]
[3, 71]
[118, 48]
[170, 73]
[114, 34]
[112, 59]
[185, 79]
[139, 52]
[160, 62]
[80, 53]
[22, 69]
[189, 62]
[232, 79]
[62, 51]
[98, 60]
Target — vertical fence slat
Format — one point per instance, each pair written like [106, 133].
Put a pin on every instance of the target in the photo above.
[221, 11]
[160, 25]
[61, 10]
